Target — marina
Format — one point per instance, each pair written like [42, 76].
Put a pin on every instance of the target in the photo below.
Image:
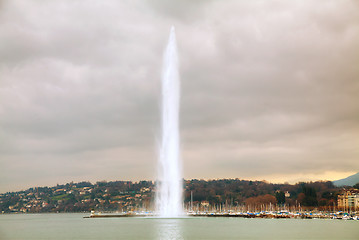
[270, 215]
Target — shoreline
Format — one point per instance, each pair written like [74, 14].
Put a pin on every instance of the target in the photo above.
[267, 215]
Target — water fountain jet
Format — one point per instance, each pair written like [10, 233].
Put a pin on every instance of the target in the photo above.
[169, 184]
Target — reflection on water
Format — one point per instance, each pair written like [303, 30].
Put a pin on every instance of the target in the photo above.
[51, 226]
[169, 229]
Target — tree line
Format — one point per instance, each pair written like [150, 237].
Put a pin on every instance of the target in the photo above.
[129, 196]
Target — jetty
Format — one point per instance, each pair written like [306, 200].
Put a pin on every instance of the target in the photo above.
[270, 215]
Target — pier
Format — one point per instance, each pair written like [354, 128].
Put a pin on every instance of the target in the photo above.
[269, 215]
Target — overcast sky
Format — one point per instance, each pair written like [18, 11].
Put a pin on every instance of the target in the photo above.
[270, 89]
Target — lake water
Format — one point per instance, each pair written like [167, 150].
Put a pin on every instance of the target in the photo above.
[74, 226]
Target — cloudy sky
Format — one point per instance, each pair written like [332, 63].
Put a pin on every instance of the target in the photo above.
[270, 89]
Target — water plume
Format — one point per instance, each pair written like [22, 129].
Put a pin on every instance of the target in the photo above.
[169, 184]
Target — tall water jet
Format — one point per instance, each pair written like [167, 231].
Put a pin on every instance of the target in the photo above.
[169, 184]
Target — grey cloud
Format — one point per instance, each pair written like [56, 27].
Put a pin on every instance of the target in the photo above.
[267, 87]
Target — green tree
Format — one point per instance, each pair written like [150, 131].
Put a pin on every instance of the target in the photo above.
[280, 197]
[310, 196]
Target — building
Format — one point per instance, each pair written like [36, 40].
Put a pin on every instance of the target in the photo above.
[349, 200]
[205, 203]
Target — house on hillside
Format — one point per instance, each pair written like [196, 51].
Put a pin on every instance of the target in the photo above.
[349, 200]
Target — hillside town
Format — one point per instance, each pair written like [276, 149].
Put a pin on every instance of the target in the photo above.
[224, 195]
[79, 197]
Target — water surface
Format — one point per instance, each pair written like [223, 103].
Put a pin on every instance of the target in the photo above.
[74, 226]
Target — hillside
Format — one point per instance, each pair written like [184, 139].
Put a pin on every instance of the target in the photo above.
[131, 196]
[349, 181]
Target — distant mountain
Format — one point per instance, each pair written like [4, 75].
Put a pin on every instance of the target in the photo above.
[349, 181]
